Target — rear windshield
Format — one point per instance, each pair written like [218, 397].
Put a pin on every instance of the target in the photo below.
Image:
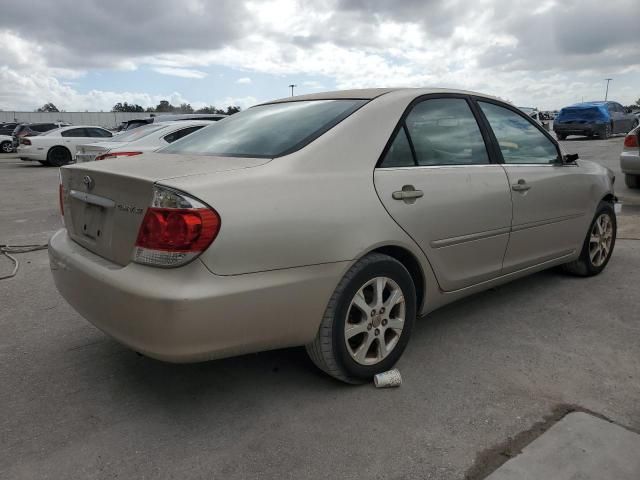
[582, 113]
[136, 133]
[267, 130]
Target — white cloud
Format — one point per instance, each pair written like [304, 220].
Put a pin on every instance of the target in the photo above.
[180, 72]
[244, 81]
[242, 102]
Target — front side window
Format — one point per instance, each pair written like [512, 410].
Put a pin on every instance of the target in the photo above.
[267, 130]
[445, 132]
[519, 140]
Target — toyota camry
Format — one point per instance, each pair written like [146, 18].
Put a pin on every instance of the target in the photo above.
[330, 220]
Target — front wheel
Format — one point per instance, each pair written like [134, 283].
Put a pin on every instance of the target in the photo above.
[598, 246]
[367, 322]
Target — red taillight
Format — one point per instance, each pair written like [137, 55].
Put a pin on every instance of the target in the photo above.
[175, 229]
[178, 230]
[25, 141]
[104, 156]
[631, 141]
[60, 198]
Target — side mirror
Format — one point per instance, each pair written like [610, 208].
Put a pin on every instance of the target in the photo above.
[570, 158]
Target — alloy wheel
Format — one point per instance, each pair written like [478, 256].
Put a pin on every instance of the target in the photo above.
[7, 147]
[600, 240]
[375, 320]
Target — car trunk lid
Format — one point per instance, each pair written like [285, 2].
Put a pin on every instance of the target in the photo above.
[105, 202]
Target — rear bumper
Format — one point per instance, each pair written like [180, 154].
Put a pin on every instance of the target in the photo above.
[579, 129]
[188, 314]
[29, 155]
[630, 162]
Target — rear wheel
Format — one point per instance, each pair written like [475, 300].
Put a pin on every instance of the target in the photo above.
[58, 156]
[368, 321]
[598, 246]
[632, 181]
[6, 147]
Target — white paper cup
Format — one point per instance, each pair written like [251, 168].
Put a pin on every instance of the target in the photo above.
[388, 379]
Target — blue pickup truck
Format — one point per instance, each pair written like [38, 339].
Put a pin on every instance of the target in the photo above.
[594, 118]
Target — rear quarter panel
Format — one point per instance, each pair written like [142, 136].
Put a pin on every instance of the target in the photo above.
[317, 205]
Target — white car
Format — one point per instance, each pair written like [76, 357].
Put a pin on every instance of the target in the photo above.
[139, 140]
[57, 147]
[6, 144]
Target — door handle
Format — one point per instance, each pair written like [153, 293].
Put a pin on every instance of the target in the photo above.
[408, 194]
[521, 186]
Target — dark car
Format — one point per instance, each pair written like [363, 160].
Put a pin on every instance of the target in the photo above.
[8, 128]
[138, 122]
[33, 129]
[594, 118]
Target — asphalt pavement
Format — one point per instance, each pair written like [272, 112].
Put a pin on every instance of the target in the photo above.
[477, 374]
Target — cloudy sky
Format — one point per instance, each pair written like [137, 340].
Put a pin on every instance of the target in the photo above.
[89, 54]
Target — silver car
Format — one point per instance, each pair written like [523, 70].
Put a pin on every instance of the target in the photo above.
[330, 220]
[630, 159]
[139, 140]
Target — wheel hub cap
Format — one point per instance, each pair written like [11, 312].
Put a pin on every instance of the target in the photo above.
[375, 320]
[600, 240]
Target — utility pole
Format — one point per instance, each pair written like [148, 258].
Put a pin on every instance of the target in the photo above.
[606, 93]
[292, 86]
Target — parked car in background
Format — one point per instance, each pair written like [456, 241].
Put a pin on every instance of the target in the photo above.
[328, 220]
[135, 142]
[536, 115]
[8, 128]
[33, 129]
[139, 122]
[594, 118]
[57, 147]
[6, 144]
[630, 159]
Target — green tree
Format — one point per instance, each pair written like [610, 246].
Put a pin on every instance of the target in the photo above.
[48, 107]
[126, 107]
[638, 102]
[185, 108]
[165, 107]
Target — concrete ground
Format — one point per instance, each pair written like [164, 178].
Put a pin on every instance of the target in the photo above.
[76, 404]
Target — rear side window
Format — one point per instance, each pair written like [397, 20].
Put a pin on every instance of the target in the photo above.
[520, 141]
[173, 136]
[267, 130]
[98, 132]
[74, 132]
[442, 131]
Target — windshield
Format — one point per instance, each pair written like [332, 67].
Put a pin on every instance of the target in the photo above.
[267, 130]
[136, 133]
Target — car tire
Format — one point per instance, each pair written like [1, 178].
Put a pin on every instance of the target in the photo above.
[58, 156]
[632, 181]
[561, 136]
[379, 335]
[605, 132]
[6, 147]
[594, 257]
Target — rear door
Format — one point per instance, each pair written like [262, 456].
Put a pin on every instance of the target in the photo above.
[549, 198]
[438, 183]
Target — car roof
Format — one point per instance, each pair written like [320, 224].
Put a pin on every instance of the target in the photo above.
[596, 103]
[371, 93]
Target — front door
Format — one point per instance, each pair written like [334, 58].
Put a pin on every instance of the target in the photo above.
[549, 198]
[437, 182]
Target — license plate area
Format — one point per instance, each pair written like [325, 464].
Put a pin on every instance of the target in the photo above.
[93, 221]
